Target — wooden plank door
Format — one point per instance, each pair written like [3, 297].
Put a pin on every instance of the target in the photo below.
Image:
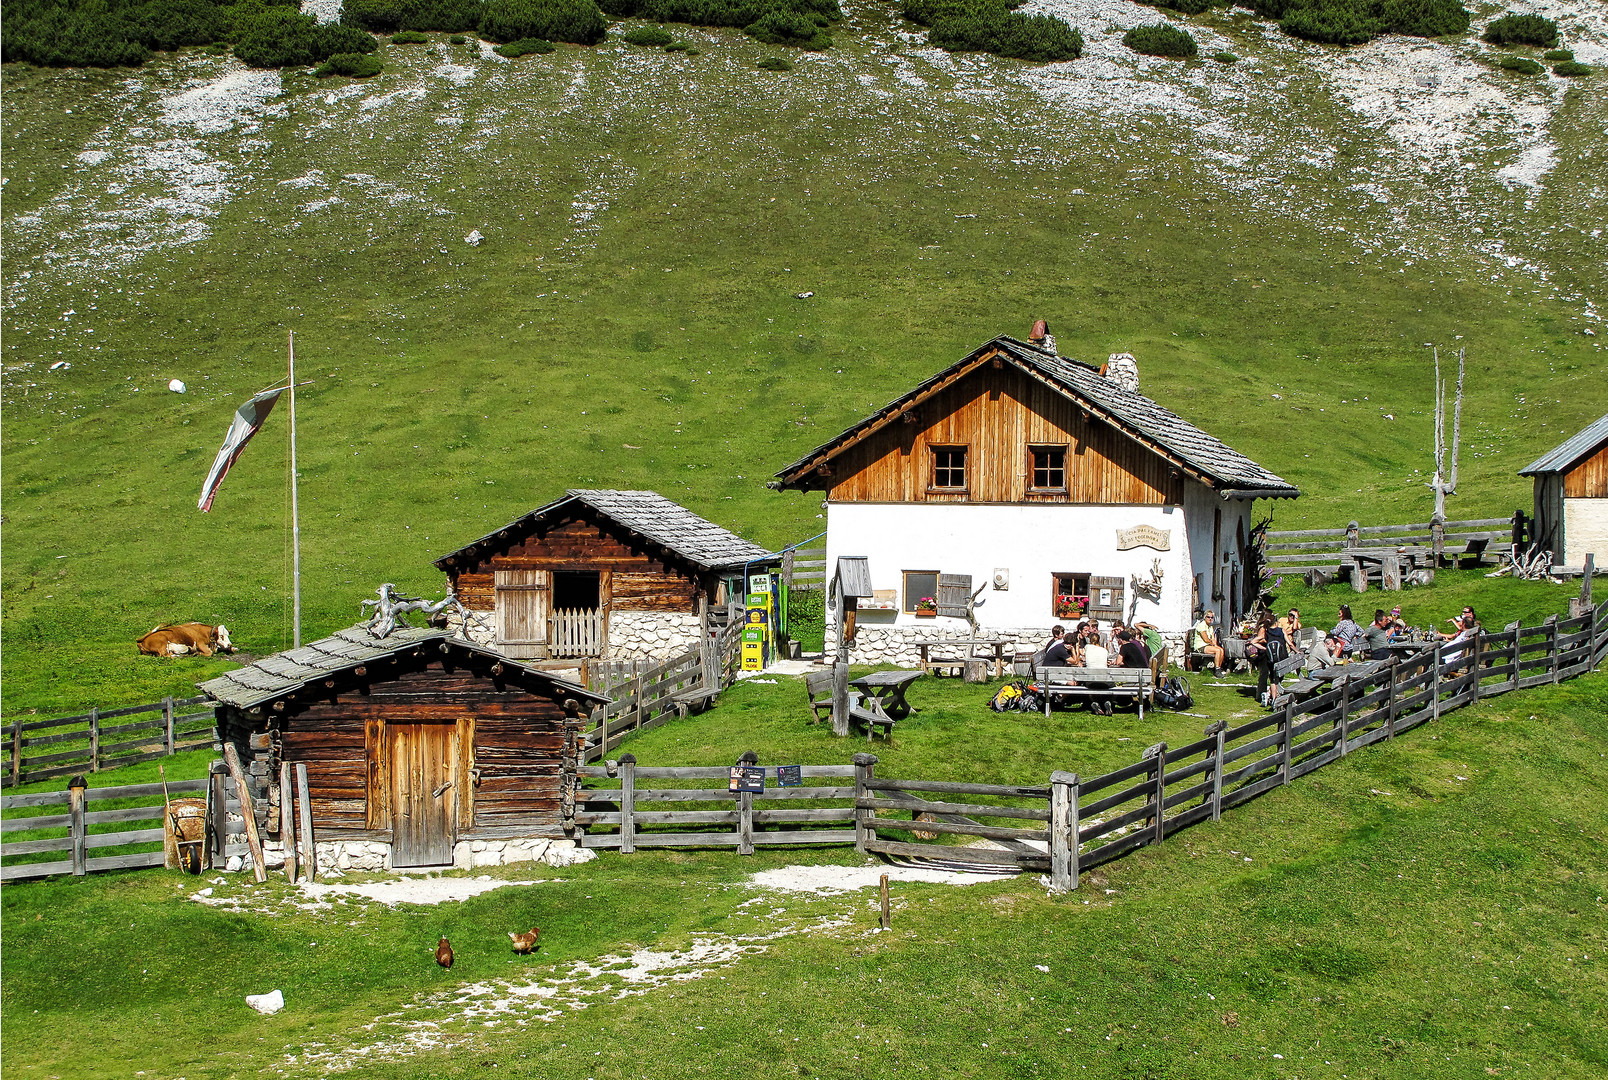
[424, 800]
[523, 600]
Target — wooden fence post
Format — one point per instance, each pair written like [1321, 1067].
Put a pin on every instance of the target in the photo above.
[1218, 729]
[1284, 739]
[1063, 831]
[217, 814]
[627, 803]
[287, 821]
[706, 649]
[76, 789]
[1434, 684]
[167, 725]
[1345, 710]
[1159, 792]
[304, 804]
[1513, 678]
[864, 768]
[745, 809]
[1390, 701]
[601, 715]
[1474, 666]
[94, 740]
[16, 748]
[1552, 644]
[231, 758]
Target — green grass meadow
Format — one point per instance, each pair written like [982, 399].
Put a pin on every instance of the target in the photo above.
[692, 271]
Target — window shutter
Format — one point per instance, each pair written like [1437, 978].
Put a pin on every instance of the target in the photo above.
[954, 595]
[1112, 610]
[523, 600]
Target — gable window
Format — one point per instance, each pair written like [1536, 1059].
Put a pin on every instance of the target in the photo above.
[1049, 468]
[919, 586]
[949, 467]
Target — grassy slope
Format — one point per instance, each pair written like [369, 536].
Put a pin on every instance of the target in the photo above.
[1430, 907]
[659, 343]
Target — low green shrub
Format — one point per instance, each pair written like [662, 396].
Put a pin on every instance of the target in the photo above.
[1523, 65]
[578, 21]
[1570, 69]
[458, 39]
[1161, 40]
[1422, 18]
[113, 33]
[1522, 30]
[1558, 56]
[1187, 7]
[992, 26]
[1354, 22]
[647, 35]
[774, 63]
[1225, 58]
[409, 37]
[681, 47]
[282, 36]
[389, 16]
[789, 28]
[352, 65]
[1332, 22]
[524, 47]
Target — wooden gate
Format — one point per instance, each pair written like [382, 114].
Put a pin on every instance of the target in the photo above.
[424, 799]
[523, 599]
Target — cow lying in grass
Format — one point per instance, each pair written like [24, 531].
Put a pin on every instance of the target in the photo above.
[184, 639]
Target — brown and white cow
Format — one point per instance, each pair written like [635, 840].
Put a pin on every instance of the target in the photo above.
[186, 638]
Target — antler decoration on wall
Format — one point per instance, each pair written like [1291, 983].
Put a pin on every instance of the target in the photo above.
[1149, 588]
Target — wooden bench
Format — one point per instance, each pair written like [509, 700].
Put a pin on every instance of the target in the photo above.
[695, 701]
[868, 713]
[1085, 684]
[818, 686]
[1473, 553]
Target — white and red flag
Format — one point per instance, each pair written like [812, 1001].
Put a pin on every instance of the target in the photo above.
[248, 419]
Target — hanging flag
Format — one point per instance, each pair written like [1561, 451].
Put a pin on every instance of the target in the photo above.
[248, 419]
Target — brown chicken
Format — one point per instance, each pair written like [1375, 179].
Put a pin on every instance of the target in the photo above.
[524, 944]
[443, 953]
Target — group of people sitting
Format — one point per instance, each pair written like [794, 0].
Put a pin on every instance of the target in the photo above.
[1088, 646]
[1269, 641]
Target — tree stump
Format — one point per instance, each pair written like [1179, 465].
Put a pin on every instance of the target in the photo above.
[975, 671]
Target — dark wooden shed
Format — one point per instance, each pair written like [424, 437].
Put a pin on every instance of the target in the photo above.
[421, 741]
[598, 573]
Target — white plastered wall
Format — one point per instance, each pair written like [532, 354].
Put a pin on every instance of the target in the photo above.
[1585, 529]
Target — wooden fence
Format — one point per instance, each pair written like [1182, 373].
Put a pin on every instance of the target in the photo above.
[86, 743]
[644, 695]
[804, 568]
[575, 633]
[1072, 824]
[82, 829]
[1300, 550]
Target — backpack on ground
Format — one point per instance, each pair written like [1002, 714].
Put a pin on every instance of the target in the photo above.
[1173, 693]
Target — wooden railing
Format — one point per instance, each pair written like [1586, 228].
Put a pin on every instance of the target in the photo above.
[75, 831]
[1072, 824]
[575, 633]
[804, 568]
[86, 743]
[643, 694]
[1297, 551]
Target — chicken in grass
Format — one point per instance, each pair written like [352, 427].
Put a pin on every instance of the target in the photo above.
[525, 944]
[443, 953]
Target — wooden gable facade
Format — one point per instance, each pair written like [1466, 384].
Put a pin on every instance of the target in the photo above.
[1571, 496]
[419, 740]
[1020, 441]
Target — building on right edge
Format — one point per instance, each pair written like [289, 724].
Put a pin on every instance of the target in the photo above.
[1571, 497]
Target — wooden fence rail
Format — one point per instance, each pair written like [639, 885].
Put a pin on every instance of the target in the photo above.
[86, 743]
[1299, 550]
[1072, 824]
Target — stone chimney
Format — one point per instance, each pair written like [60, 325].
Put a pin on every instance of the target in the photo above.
[1122, 369]
[1042, 338]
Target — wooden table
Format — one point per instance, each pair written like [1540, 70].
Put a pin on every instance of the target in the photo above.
[1388, 562]
[888, 689]
[980, 648]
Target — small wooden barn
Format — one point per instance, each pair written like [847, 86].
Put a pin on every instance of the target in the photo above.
[416, 745]
[599, 573]
[1571, 497]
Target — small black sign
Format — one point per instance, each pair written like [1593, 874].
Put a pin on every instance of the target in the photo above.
[790, 776]
[747, 778]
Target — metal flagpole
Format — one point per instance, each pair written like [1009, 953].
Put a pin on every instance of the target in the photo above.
[295, 517]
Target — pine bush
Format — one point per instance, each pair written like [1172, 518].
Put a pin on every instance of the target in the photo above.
[283, 37]
[1570, 69]
[352, 65]
[647, 35]
[992, 26]
[578, 21]
[1161, 40]
[1522, 30]
[389, 16]
[524, 47]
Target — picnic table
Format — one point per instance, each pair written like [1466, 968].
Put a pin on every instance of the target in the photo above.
[1082, 683]
[956, 652]
[887, 688]
[1387, 563]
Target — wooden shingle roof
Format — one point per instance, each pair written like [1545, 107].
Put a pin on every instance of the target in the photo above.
[1223, 468]
[1565, 455]
[671, 526]
[286, 673]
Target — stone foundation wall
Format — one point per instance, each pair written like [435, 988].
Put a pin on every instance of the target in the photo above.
[900, 644]
[375, 855]
[656, 635]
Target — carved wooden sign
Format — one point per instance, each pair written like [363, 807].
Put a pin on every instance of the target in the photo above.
[1144, 536]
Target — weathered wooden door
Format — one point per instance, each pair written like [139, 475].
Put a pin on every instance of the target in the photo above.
[424, 800]
[523, 601]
